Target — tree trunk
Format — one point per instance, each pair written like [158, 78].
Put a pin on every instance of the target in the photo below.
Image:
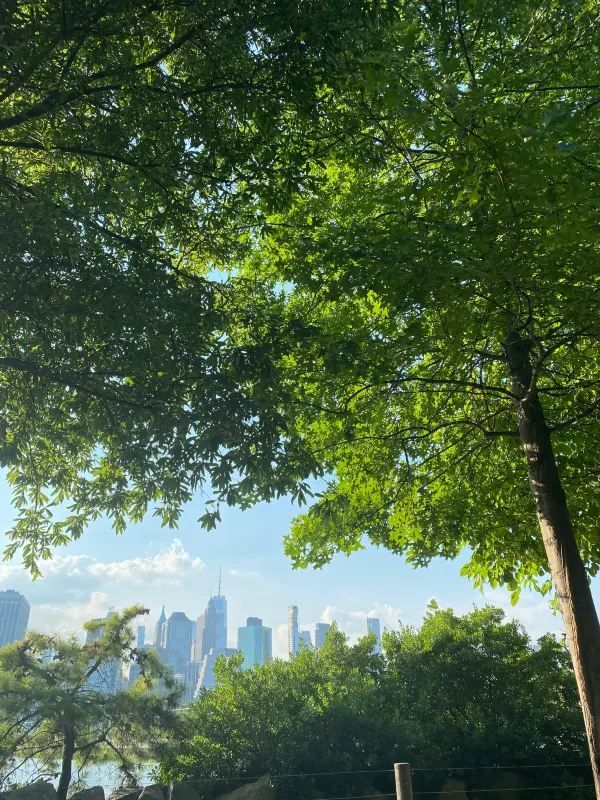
[566, 565]
[67, 761]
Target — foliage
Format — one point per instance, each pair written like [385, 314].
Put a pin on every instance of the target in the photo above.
[466, 691]
[53, 712]
[454, 220]
[130, 132]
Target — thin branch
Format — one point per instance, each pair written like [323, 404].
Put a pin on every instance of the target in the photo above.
[464, 44]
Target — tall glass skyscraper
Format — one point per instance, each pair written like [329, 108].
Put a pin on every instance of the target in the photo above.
[14, 616]
[158, 628]
[321, 631]
[206, 672]
[255, 643]
[305, 639]
[211, 630]
[293, 634]
[373, 626]
[211, 639]
[177, 636]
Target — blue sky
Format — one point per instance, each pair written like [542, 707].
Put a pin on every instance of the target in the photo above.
[152, 565]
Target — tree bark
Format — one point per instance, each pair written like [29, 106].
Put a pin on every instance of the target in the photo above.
[67, 761]
[566, 565]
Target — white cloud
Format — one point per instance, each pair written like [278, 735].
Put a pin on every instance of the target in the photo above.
[163, 569]
[76, 588]
[166, 568]
[67, 619]
[280, 642]
[532, 611]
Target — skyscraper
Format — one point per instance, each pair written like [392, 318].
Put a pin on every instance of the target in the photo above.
[177, 636]
[206, 673]
[293, 635]
[211, 639]
[140, 638]
[305, 639]
[211, 630]
[158, 628]
[255, 643]
[14, 616]
[321, 631]
[373, 626]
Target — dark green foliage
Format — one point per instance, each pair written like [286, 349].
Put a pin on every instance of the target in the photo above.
[131, 134]
[464, 691]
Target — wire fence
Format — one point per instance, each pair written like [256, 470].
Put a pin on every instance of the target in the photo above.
[582, 790]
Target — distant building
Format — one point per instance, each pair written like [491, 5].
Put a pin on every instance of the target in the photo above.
[190, 681]
[373, 626]
[176, 637]
[133, 675]
[158, 628]
[107, 678]
[255, 643]
[293, 634]
[211, 640]
[14, 616]
[305, 639]
[206, 672]
[134, 668]
[211, 629]
[321, 631]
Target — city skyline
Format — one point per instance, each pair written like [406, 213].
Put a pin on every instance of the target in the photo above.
[150, 566]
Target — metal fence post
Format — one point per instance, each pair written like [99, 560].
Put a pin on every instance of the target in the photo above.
[403, 781]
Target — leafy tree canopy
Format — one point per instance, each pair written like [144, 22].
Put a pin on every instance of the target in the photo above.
[130, 132]
[456, 220]
[468, 690]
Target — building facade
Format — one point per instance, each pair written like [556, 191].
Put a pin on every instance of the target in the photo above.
[305, 639]
[211, 630]
[206, 672]
[293, 633]
[159, 628]
[255, 642]
[373, 626]
[176, 637]
[14, 616]
[321, 631]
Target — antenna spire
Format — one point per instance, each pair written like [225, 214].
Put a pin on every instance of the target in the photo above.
[220, 581]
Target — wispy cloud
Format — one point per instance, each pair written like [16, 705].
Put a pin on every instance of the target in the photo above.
[68, 618]
[75, 588]
[165, 568]
[244, 573]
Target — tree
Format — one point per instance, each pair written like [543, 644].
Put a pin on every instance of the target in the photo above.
[460, 691]
[316, 712]
[129, 132]
[425, 312]
[54, 712]
[433, 305]
[475, 690]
